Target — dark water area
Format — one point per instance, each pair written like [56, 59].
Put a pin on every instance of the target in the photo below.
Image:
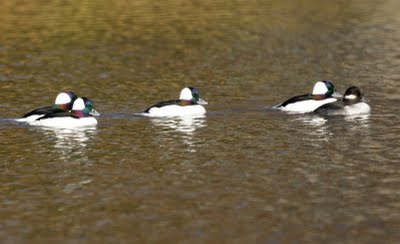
[242, 173]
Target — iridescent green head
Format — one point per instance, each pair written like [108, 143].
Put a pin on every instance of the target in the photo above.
[83, 107]
[192, 94]
[325, 88]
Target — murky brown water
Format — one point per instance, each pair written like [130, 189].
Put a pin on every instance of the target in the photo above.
[241, 174]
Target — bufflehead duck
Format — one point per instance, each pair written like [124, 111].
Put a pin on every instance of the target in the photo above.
[189, 103]
[63, 102]
[323, 92]
[81, 115]
[352, 103]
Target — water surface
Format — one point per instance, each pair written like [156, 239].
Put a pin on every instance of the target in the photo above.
[241, 173]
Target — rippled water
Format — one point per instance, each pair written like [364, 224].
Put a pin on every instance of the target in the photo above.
[239, 174]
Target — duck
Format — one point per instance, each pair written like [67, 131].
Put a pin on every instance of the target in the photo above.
[63, 103]
[81, 114]
[189, 103]
[352, 103]
[323, 93]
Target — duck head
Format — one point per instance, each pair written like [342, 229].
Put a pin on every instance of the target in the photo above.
[325, 88]
[192, 94]
[353, 95]
[83, 107]
[65, 100]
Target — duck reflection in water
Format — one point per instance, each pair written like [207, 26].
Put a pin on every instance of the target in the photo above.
[70, 142]
[183, 127]
[358, 125]
[318, 129]
[315, 128]
[359, 119]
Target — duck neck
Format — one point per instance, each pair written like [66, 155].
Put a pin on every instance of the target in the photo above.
[186, 102]
[79, 113]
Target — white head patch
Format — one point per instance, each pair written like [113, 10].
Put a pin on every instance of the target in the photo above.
[186, 94]
[319, 88]
[62, 98]
[79, 104]
[350, 97]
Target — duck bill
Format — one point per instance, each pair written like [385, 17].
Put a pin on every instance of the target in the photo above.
[94, 113]
[202, 101]
[337, 95]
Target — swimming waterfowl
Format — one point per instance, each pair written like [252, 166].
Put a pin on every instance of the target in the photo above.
[81, 115]
[63, 103]
[189, 103]
[352, 103]
[323, 93]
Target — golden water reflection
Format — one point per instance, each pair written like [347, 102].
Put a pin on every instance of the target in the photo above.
[184, 128]
[234, 177]
[316, 129]
[71, 142]
[319, 130]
